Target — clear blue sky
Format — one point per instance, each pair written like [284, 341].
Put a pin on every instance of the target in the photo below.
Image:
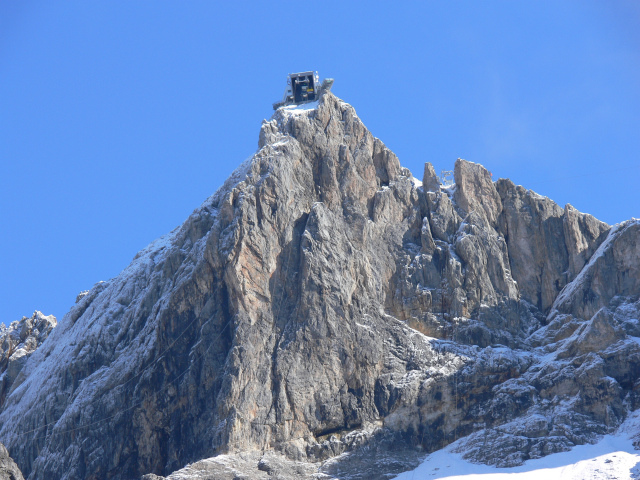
[118, 118]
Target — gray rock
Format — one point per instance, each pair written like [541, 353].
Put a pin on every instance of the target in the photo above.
[320, 307]
[613, 270]
[81, 295]
[430, 180]
[583, 235]
[17, 343]
[8, 468]
[547, 245]
[475, 192]
[444, 219]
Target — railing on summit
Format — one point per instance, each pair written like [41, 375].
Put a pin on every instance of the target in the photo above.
[446, 178]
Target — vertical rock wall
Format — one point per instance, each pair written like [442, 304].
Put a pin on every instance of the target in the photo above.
[319, 293]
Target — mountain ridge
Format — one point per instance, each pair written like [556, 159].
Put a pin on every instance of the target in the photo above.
[323, 301]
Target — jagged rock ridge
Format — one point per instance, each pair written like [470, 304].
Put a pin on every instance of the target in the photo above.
[17, 341]
[324, 300]
[8, 468]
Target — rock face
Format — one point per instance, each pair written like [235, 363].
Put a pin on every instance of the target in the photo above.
[17, 343]
[8, 468]
[322, 302]
[547, 245]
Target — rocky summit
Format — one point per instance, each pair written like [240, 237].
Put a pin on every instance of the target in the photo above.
[327, 315]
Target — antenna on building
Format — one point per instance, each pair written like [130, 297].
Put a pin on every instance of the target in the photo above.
[446, 178]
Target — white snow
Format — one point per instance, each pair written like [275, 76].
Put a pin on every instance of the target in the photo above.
[366, 327]
[613, 457]
[304, 107]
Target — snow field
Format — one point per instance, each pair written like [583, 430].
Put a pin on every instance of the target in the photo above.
[612, 458]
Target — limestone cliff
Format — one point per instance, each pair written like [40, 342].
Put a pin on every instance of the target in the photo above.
[8, 468]
[325, 301]
[17, 342]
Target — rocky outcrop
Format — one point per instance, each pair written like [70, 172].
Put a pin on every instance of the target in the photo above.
[547, 245]
[17, 342]
[588, 373]
[581, 386]
[8, 468]
[583, 234]
[614, 270]
[323, 305]
[430, 181]
[475, 192]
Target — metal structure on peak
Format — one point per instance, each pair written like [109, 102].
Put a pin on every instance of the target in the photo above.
[446, 178]
[303, 87]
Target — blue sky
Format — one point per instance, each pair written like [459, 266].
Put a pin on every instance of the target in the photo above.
[118, 118]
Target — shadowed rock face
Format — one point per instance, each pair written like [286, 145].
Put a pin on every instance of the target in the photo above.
[321, 302]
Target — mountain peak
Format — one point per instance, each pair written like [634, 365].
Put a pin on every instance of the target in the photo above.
[324, 301]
